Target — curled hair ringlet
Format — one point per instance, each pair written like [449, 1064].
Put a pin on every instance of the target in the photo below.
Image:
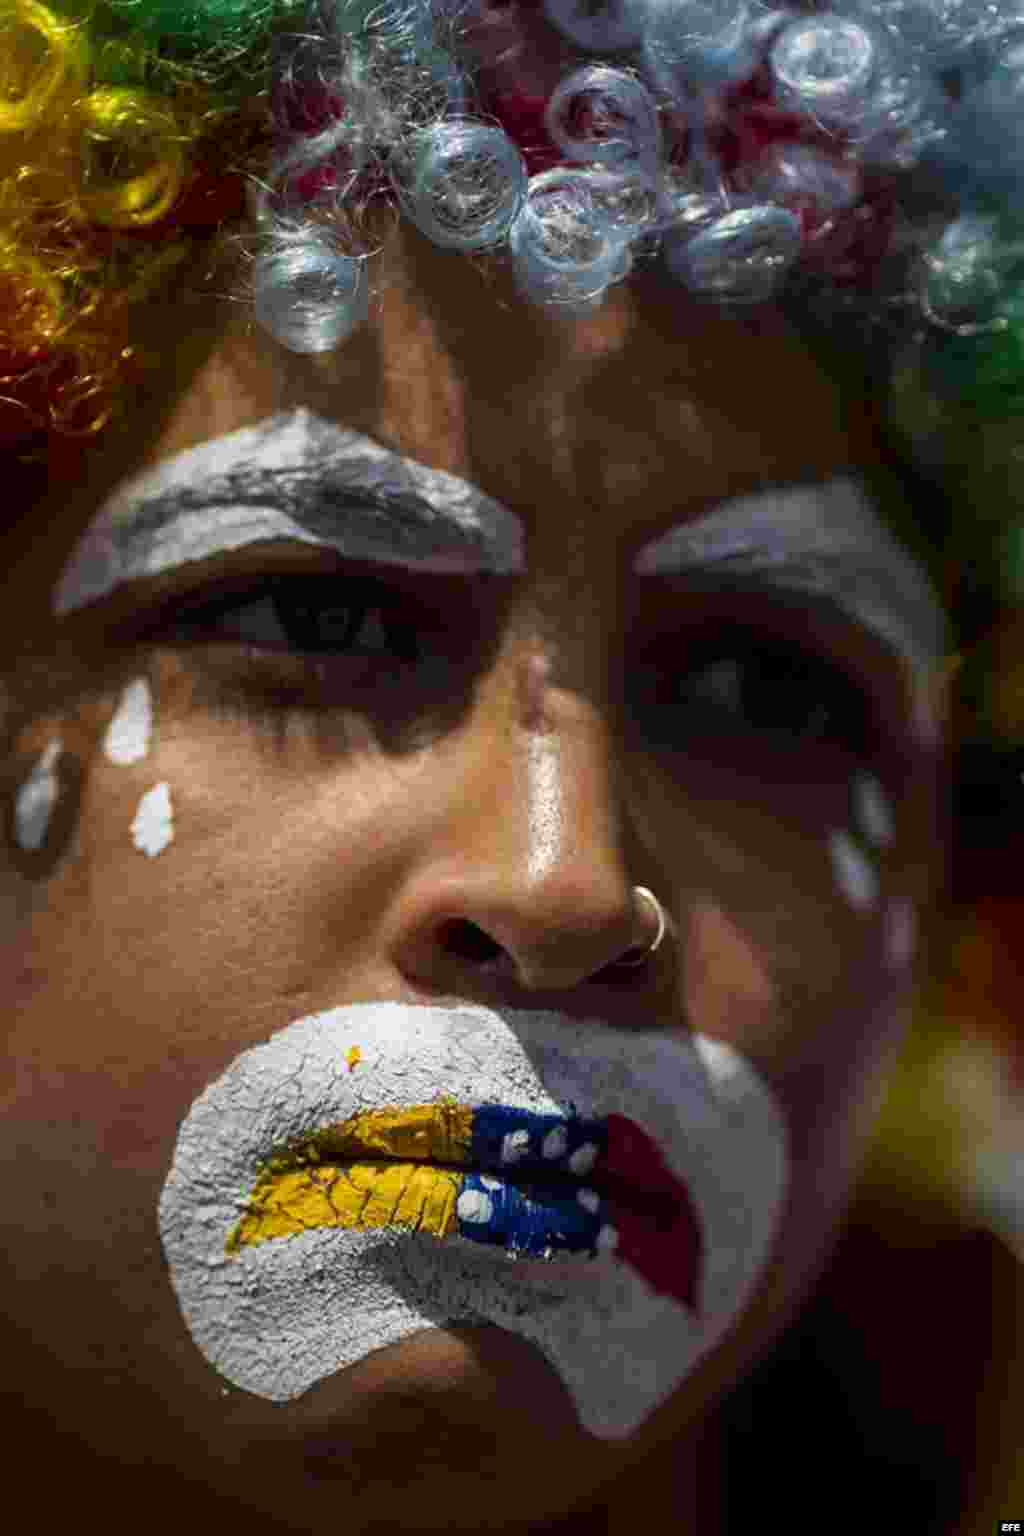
[42, 53]
[562, 250]
[118, 126]
[463, 184]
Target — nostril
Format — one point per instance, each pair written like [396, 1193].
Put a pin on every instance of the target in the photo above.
[468, 942]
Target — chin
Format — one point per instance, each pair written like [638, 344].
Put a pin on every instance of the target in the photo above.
[428, 1435]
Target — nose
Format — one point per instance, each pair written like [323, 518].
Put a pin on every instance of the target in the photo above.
[524, 876]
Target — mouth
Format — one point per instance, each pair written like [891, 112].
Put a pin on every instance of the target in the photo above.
[537, 1186]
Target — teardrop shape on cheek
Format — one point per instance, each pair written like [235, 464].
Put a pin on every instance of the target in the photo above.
[35, 800]
[42, 795]
[855, 875]
[153, 827]
[128, 735]
[874, 813]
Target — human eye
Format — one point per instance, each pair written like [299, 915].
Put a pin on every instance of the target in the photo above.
[317, 617]
[269, 647]
[738, 686]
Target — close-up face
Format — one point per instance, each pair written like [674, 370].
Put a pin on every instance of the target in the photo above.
[470, 799]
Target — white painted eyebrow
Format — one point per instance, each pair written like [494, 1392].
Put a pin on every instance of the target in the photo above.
[298, 477]
[824, 539]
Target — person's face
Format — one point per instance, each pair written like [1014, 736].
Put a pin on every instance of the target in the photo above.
[448, 804]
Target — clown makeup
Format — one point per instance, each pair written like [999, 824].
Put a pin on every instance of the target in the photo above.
[366, 503]
[399, 1151]
[873, 811]
[153, 827]
[292, 477]
[856, 877]
[127, 738]
[36, 799]
[823, 540]
[573, 1184]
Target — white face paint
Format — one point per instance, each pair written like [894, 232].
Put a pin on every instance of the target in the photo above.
[293, 476]
[277, 1316]
[127, 738]
[874, 813]
[825, 539]
[855, 876]
[36, 799]
[153, 827]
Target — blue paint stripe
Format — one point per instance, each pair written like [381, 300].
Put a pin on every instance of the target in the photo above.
[492, 1123]
[531, 1223]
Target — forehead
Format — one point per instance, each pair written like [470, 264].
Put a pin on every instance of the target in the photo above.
[596, 435]
[625, 421]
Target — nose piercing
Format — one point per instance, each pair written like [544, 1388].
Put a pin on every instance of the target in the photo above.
[646, 953]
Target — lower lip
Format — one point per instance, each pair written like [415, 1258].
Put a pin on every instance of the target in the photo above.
[660, 1238]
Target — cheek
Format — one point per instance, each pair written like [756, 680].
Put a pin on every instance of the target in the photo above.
[797, 954]
[44, 780]
[214, 870]
[22, 978]
[789, 885]
[823, 1053]
[730, 994]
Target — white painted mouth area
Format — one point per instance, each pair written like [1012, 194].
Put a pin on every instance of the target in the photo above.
[282, 1315]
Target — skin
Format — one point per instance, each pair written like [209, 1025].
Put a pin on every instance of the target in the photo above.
[129, 983]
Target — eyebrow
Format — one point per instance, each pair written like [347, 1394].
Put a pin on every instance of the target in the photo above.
[824, 539]
[297, 477]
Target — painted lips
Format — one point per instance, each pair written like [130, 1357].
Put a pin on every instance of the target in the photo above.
[537, 1185]
[290, 1141]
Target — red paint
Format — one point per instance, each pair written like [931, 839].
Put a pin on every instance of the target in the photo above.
[667, 1249]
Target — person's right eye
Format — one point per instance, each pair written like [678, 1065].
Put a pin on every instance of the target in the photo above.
[311, 616]
[281, 646]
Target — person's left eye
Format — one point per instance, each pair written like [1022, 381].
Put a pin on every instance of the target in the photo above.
[739, 685]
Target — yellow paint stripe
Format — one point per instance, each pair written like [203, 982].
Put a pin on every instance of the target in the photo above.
[439, 1133]
[362, 1195]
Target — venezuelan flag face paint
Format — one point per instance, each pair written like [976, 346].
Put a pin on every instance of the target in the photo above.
[423, 1169]
[373, 1169]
